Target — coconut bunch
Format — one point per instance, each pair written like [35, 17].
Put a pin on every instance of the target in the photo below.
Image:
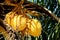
[23, 24]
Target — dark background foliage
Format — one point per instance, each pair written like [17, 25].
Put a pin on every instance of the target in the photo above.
[51, 28]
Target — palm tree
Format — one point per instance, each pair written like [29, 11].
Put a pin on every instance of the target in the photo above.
[48, 13]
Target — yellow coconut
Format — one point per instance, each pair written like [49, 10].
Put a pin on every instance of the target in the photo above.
[34, 28]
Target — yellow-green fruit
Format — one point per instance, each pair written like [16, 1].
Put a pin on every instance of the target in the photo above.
[21, 23]
[34, 28]
[17, 22]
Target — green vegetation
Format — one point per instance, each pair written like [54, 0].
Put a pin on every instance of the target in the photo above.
[51, 28]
